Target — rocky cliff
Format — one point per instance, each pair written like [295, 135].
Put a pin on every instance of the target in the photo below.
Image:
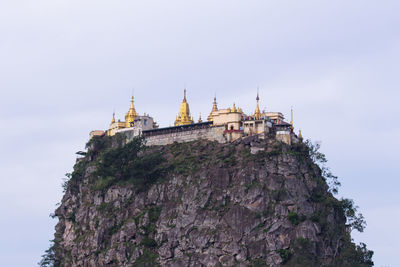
[201, 204]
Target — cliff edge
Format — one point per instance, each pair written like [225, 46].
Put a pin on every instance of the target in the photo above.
[249, 203]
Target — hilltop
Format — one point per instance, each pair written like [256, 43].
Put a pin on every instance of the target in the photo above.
[252, 202]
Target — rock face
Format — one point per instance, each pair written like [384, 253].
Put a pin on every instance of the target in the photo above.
[208, 204]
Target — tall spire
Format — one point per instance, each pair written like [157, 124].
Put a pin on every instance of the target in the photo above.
[234, 108]
[184, 117]
[291, 119]
[214, 108]
[257, 113]
[130, 116]
[300, 136]
[113, 119]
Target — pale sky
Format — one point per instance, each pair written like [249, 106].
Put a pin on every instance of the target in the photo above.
[66, 65]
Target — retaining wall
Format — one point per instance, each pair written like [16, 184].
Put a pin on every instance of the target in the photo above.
[210, 133]
[180, 136]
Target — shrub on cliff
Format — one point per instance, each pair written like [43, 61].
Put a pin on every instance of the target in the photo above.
[130, 163]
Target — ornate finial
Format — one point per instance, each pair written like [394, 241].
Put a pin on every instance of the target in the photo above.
[291, 119]
[257, 113]
[234, 108]
[258, 98]
[184, 95]
[130, 116]
[200, 120]
[132, 105]
[113, 119]
[300, 136]
[132, 98]
[214, 108]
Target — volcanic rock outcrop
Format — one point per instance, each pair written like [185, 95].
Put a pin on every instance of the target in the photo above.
[249, 203]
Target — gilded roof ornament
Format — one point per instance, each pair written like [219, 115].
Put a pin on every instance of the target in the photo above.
[291, 119]
[113, 118]
[234, 108]
[184, 117]
[214, 108]
[130, 116]
[257, 113]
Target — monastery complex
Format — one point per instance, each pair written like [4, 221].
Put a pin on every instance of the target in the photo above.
[222, 125]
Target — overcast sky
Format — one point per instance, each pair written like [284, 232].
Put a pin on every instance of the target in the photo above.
[66, 65]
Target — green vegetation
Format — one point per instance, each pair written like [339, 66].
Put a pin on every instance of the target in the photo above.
[279, 194]
[354, 255]
[354, 219]
[49, 258]
[344, 206]
[184, 161]
[319, 158]
[251, 185]
[99, 144]
[147, 259]
[154, 213]
[316, 217]
[104, 207]
[72, 180]
[301, 254]
[149, 242]
[130, 164]
[285, 255]
[258, 263]
[149, 245]
[294, 218]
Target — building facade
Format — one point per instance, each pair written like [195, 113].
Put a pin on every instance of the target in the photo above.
[223, 125]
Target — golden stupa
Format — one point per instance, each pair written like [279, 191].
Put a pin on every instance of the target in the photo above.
[131, 115]
[257, 113]
[184, 113]
[214, 108]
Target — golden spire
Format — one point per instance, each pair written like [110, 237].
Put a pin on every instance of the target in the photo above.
[291, 119]
[257, 113]
[300, 136]
[200, 120]
[132, 107]
[234, 108]
[184, 117]
[130, 116]
[214, 108]
[113, 119]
